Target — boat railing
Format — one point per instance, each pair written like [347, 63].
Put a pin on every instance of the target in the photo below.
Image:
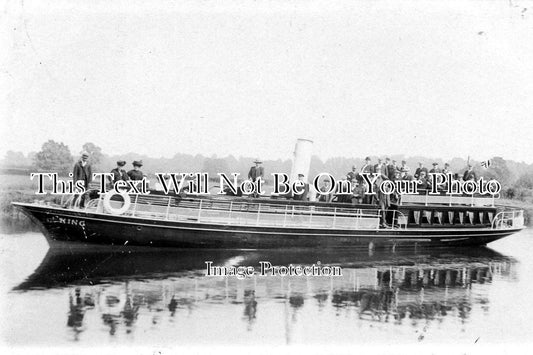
[447, 199]
[70, 201]
[251, 213]
[399, 220]
[508, 219]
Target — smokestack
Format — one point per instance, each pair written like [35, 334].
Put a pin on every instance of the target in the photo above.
[301, 161]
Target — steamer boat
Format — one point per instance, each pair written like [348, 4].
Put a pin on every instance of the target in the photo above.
[266, 223]
[260, 223]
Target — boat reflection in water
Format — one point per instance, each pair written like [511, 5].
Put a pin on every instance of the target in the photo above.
[122, 288]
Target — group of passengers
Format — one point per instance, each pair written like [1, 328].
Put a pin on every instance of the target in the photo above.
[388, 170]
[83, 170]
[119, 173]
[385, 170]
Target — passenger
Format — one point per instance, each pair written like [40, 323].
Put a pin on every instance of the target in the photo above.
[378, 165]
[367, 167]
[435, 169]
[353, 176]
[386, 167]
[404, 170]
[423, 182]
[119, 173]
[136, 173]
[256, 172]
[82, 171]
[325, 188]
[343, 198]
[381, 199]
[358, 193]
[303, 196]
[469, 174]
[392, 170]
[397, 175]
[446, 169]
[229, 192]
[420, 169]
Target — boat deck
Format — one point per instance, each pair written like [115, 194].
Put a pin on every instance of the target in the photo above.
[246, 213]
[261, 213]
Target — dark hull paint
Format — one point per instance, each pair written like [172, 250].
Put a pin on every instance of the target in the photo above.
[91, 228]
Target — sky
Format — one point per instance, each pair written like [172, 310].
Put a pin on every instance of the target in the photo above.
[435, 78]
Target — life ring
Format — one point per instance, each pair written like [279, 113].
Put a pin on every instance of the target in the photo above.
[116, 211]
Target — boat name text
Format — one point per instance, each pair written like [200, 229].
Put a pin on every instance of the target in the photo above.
[64, 220]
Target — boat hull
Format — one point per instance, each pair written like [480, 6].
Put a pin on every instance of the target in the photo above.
[60, 225]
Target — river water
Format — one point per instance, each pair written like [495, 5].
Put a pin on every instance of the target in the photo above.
[163, 297]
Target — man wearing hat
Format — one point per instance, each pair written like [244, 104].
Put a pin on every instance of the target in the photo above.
[119, 173]
[303, 196]
[136, 173]
[326, 195]
[420, 169]
[378, 165]
[82, 170]
[391, 170]
[469, 174]
[256, 172]
[353, 175]
[404, 170]
[435, 169]
[367, 167]
[446, 169]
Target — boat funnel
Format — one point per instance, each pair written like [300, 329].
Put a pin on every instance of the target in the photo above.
[301, 161]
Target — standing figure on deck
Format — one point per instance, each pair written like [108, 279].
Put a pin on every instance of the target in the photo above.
[404, 170]
[420, 169]
[82, 170]
[423, 182]
[256, 171]
[119, 173]
[446, 169]
[469, 174]
[343, 197]
[385, 167]
[381, 199]
[435, 169]
[367, 167]
[392, 169]
[136, 173]
[378, 165]
[303, 196]
[326, 196]
[353, 176]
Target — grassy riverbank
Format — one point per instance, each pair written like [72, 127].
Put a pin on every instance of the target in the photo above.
[17, 188]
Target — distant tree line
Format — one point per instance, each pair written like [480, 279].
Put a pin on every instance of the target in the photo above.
[515, 177]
